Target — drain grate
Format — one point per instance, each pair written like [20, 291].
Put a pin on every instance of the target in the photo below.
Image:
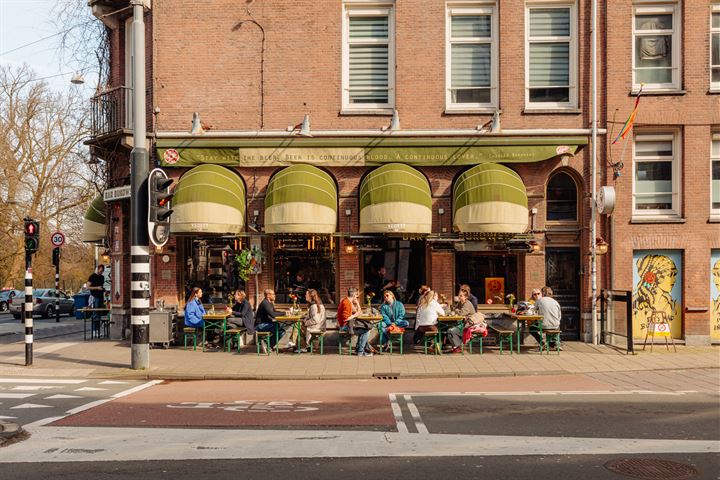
[386, 376]
[652, 469]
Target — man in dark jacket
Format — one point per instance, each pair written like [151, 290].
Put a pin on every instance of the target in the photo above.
[265, 317]
[243, 316]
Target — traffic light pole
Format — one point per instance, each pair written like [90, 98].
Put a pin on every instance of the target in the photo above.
[139, 250]
[28, 310]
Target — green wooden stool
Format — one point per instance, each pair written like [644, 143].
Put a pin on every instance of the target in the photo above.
[187, 333]
[396, 337]
[476, 337]
[235, 333]
[265, 338]
[504, 335]
[432, 337]
[344, 337]
[552, 336]
[320, 337]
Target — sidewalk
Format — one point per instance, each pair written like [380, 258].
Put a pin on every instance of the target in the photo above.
[70, 356]
[13, 330]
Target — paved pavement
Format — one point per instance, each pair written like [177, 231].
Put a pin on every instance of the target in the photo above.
[13, 330]
[70, 356]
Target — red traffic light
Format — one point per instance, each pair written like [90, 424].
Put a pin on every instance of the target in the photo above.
[30, 228]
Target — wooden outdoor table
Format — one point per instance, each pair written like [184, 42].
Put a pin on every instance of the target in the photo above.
[295, 321]
[104, 324]
[526, 319]
[447, 320]
[214, 320]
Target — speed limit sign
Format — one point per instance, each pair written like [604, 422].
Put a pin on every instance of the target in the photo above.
[57, 239]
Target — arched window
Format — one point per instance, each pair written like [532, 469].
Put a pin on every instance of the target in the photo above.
[562, 198]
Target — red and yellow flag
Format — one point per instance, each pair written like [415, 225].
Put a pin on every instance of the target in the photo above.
[631, 119]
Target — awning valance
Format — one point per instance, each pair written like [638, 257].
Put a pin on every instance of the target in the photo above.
[208, 199]
[490, 198]
[301, 199]
[94, 222]
[395, 198]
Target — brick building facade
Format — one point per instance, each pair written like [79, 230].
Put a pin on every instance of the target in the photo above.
[254, 71]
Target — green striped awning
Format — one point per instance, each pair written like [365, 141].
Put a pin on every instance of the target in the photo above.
[301, 199]
[94, 222]
[208, 199]
[395, 198]
[490, 198]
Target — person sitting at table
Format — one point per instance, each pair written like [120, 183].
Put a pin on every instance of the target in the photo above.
[426, 318]
[422, 291]
[314, 320]
[348, 310]
[550, 310]
[265, 317]
[194, 309]
[243, 316]
[455, 334]
[472, 298]
[393, 313]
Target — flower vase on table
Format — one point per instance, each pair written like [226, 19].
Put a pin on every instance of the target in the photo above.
[369, 298]
[294, 309]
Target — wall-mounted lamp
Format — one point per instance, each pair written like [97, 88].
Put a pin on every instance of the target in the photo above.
[601, 246]
[253, 224]
[349, 246]
[106, 256]
[302, 128]
[533, 247]
[491, 126]
[197, 127]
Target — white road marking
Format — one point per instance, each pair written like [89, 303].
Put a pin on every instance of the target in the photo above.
[111, 444]
[16, 395]
[419, 424]
[112, 382]
[89, 389]
[550, 392]
[30, 405]
[34, 387]
[6, 418]
[62, 395]
[41, 380]
[397, 413]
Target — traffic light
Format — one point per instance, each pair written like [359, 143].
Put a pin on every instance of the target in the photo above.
[159, 210]
[32, 235]
[56, 256]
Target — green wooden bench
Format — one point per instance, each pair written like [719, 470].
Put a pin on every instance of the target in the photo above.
[504, 335]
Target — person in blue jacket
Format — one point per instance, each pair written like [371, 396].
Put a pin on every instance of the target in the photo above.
[393, 313]
[194, 309]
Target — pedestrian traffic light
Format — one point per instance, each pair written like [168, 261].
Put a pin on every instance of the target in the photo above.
[32, 235]
[56, 256]
[159, 210]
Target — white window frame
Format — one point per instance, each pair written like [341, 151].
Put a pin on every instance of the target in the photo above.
[714, 212]
[477, 8]
[676, 195]
[362, 8]
[714, 86]
[673, 8]
[572, 102]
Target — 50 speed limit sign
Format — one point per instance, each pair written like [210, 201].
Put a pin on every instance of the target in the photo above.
[57, 239]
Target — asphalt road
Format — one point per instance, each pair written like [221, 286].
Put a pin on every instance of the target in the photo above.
[589, 467]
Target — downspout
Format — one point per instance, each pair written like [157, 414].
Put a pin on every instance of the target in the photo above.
[593, 155]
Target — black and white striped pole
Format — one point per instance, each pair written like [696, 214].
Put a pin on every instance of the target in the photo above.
[139, 251]
[32, 242]
[56, 262]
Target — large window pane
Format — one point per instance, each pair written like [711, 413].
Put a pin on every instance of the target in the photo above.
[653, 185]
[654, 22]
[473, 268]
[368, 28]
[653, 49]
[561, 198]
[301, 263]
[653, 148]
[368, 74]
[398, 265]
[471, 26]
[715, 58]
[716, 184]
[550, 22]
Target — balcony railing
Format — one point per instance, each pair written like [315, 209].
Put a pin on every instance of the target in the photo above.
[111, 111]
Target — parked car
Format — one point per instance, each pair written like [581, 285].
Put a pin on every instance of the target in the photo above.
[6, 297]
[44, 303]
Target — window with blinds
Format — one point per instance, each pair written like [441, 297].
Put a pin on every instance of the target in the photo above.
[656, 47]
[368, 58]
[551, 59]
[471, 58]
[656, 172]
[715, 175]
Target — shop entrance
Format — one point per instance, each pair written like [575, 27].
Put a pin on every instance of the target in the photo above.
[562, 274]
[396, 265]
[491, 277]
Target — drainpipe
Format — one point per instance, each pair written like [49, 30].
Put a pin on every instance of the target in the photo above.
[593, 155]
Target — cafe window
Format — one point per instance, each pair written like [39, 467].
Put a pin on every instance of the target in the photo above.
[209, 263]
[304, 262]
[491, 277]
[398, 265]
[561, 198]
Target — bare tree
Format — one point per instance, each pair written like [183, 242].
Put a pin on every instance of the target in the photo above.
[43, 165]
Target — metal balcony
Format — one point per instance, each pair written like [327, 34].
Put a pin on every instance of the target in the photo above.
[111, 111]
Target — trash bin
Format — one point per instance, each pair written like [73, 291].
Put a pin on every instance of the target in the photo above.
[81, 301]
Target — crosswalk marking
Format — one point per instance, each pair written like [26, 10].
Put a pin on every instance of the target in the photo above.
[30, 405]
[89, 389]
[42, 380]
[16, 395]
[62, 395]
[112, 382]
[34, 387]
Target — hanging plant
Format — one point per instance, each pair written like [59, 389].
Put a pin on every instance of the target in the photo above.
[244, 262]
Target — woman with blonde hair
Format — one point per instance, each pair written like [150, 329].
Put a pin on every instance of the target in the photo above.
[314, 320]
[653, 291]
[426, 318]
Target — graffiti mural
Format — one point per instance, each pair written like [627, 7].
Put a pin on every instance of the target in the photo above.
[657, 289]
[715, 295]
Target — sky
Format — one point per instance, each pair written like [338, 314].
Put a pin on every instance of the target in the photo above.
[25, 21]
